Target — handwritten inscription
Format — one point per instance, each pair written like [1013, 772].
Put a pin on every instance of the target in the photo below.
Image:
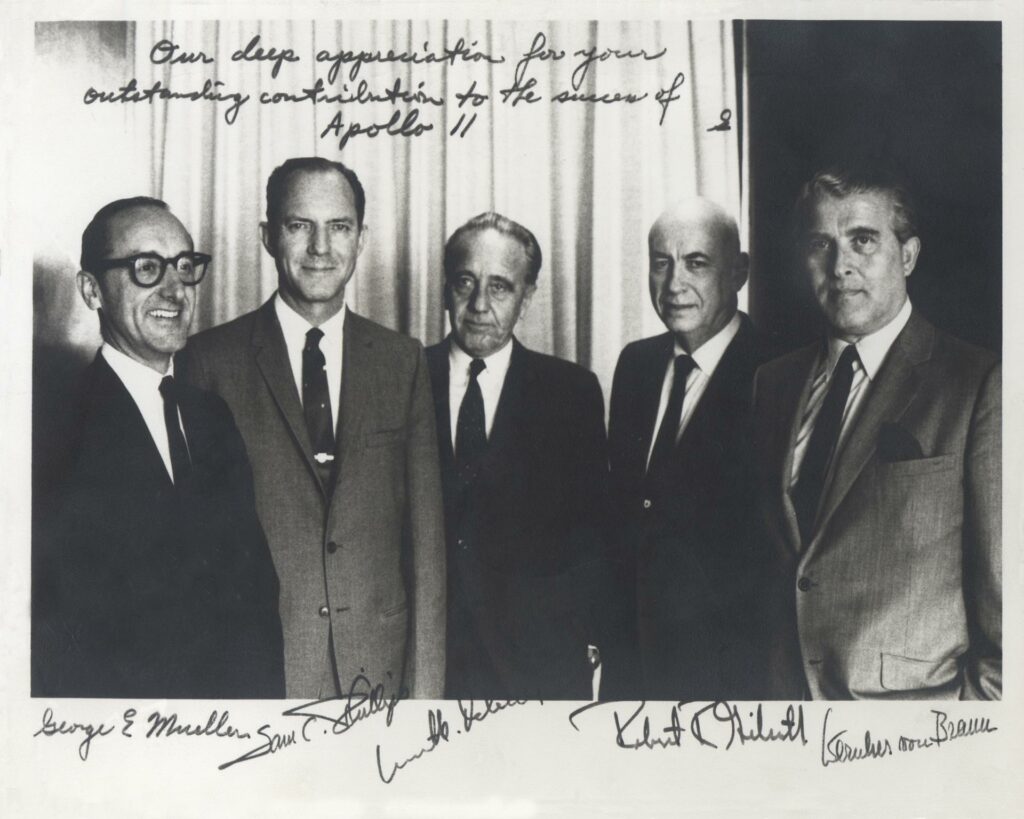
[412, 100]
[631, 726]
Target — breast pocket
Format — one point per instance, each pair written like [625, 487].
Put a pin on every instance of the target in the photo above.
[918, 466]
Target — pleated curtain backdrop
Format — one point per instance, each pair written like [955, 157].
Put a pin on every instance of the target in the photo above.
[587, 179]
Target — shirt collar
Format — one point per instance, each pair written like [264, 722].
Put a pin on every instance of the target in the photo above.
[497, 362]
[872, 348]
[707, 356]
[135, 375]
[295, 326]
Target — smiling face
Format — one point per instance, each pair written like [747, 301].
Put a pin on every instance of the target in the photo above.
[696, 270]
[148, 324]
[486, 291]
[857, 265]
[315, 241]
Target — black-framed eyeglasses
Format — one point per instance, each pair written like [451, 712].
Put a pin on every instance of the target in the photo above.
[147, 269]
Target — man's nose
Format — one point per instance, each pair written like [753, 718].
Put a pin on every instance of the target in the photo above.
[319, 242]
[172, 286]
[479, 301]
[677, 281]
[842, 262]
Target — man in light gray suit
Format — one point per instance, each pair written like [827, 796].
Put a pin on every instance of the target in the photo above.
[338, 421]
[879, 467]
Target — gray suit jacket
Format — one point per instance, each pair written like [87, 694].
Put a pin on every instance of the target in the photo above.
[898, 593]
[368, 561]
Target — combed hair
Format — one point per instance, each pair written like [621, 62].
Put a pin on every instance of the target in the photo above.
[277, 184]
[841, 181]
[504, 225]
[94, 237]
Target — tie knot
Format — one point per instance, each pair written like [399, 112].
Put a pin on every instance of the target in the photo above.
[167, 387]
[313, 336]
[847, 358]
[476, 366]
[684, 365]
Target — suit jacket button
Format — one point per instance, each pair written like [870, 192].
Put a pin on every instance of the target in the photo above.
[804, 584]
[324, 611]
[647, 503]
[332, 547]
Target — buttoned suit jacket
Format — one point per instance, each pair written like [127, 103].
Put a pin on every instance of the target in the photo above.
[524, 532]
[146, 587]
[686, 560]
[897, 593]
[366, 558]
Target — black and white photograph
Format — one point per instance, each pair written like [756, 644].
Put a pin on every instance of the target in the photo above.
[449, 410]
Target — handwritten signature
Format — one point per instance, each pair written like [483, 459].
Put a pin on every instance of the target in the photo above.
[714, 725]
[472, 713]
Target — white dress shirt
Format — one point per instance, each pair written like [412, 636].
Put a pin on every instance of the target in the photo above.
[706, 357]
[491, 381]
[294, 327]
[871, 352]
[143, 385]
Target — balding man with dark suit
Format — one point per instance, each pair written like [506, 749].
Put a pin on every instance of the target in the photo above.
[681, 626]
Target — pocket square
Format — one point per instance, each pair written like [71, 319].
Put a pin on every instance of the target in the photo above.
[896, 444]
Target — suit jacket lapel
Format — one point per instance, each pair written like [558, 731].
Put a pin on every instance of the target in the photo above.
[360, 390]
[648, 388]
[792, 398]
[438, 363]
[720, 396]
[272, 359]
[114, 409]
[510, 402]
[896, 384]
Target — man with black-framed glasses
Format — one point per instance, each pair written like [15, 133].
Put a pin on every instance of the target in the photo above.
[153, 577]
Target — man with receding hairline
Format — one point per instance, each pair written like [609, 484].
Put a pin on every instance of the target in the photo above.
[677, 434]
[522, 444]
[153, 576]
[878, 454]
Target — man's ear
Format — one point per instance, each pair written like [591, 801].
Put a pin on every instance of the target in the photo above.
[909, 252]
[530, 289]
[741, 271]
[266, 238]
[363, 231]
[89, 287]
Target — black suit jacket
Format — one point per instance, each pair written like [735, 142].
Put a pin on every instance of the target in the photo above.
[145, 588]
[524, 533]
[686, 561]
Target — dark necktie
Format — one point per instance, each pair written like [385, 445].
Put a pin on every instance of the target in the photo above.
[470, 431]
[806, 493]
[180, 462]
[316, 405]
[665, 443]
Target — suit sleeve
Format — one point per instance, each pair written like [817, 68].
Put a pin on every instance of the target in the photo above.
[983, 544]
[589, 527]
[617, 623]
[424, 526]
[259, 668]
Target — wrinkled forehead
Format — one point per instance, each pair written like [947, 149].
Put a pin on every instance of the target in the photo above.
[869, 209]
[490, 252]
[145, 229]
